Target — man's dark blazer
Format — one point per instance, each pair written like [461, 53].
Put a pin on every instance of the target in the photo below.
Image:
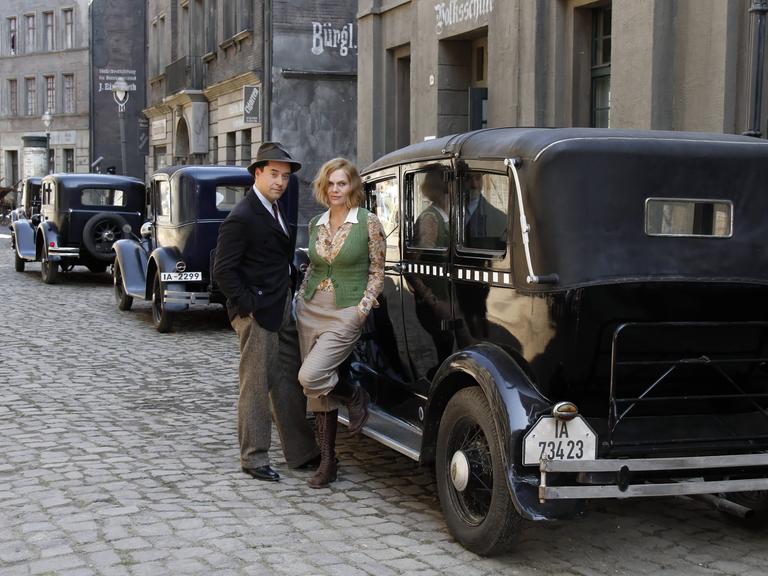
[252, 260]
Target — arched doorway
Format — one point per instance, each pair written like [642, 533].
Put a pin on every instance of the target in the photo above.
[181, 150]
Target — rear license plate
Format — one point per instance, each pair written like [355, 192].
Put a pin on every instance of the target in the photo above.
[181, 276]
[552, 439]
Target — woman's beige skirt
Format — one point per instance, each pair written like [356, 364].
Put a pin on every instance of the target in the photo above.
[326, 336]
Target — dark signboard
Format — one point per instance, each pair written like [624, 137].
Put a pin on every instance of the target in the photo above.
[118, 85]
[313, 108]
[251, 104]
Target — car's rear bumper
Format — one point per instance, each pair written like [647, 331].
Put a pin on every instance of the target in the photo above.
[638, 477]
[64, 252]
[188, 298]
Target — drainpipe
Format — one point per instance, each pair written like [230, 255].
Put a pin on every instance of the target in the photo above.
[758, 9]
[266, 76]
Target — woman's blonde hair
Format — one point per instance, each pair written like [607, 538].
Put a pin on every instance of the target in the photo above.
[320, 184]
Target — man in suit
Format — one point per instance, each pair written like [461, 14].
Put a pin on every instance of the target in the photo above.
[253, 270]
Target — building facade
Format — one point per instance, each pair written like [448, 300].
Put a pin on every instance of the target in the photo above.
[225, 75]
[428, 68]
[44, 66]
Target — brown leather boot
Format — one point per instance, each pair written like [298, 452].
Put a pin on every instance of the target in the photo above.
[356, 400]
[325, 427]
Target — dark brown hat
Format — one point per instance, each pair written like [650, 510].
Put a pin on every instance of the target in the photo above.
[273, 151]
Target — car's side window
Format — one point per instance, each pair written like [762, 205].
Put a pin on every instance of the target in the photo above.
[229, 195]
[383, 200]
[163, 204]
[427, 209]
[484, 211]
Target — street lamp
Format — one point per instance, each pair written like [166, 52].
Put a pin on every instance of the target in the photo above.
[120, 93]
[47, 121]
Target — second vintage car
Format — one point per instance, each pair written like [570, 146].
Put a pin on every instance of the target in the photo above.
[80, 216]
[170, 262]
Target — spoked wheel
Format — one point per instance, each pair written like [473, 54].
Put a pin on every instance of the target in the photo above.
[161, 318]
[471, 479]
[100, 232]
[122, 299]
[49, 271]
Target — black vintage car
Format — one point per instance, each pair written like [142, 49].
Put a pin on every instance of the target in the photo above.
[80, 216]
[571, 314]
[29, 208]
[171, 263]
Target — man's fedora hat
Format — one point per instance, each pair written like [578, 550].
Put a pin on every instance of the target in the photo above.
[273, 151]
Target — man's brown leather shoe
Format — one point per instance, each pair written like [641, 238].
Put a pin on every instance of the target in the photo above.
[265, 473]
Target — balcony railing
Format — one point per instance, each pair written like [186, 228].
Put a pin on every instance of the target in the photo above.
[184, 74]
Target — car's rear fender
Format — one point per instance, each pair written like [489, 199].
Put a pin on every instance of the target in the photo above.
[132, 259]
[47, 237]
[24, 239]
[164, 260]
[516, 404]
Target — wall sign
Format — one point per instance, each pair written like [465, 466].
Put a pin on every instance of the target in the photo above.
[451, 12]
[325, 37]
[158, 129]
[251, 104]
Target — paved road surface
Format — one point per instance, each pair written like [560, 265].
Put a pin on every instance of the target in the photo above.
[118, 456]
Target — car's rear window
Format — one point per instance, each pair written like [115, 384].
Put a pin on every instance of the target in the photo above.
[102, 197]
[227, 196]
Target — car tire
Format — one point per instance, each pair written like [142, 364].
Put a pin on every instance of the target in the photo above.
[122, 299]
[18, 263]
[479, 512]
[49, 271]
[161, 317]
[100, 232]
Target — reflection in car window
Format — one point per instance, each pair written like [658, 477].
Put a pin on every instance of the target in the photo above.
[385, 204]
[102, 197]
[429, 205]
[485, 204]
[163, 200]
[228, 196]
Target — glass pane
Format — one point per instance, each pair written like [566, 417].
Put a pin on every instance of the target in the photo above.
[430, 210]
[228, 196]
[485, 204]
[102, 197]
[676, 217]
[386, 205]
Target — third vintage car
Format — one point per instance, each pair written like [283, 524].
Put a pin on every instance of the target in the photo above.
[80, 216]
[571, 314]
[170, 262]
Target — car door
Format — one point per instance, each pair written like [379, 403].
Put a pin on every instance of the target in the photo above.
[426, 288]
[381, 358]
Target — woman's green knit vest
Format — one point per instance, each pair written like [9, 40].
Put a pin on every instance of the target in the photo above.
[348, 271]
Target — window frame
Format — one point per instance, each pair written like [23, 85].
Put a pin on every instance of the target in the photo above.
[13, 96]
[408, 219]
[30, 33]
[68, 91]
[30, 81]
[49, 40]
[458, 239]
[68, 28]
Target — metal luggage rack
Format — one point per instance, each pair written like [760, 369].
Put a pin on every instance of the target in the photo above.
[621, 407]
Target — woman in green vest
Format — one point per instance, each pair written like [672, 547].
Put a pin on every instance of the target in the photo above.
[344, 278]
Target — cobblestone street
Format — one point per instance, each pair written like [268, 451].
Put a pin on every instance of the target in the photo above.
[118, 456]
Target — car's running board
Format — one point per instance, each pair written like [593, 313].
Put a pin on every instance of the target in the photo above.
[392, 432]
